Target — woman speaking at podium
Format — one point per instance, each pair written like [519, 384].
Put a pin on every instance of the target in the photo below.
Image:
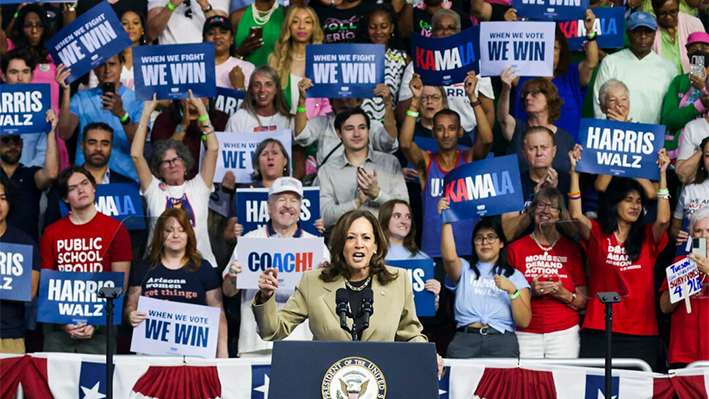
[358, 251]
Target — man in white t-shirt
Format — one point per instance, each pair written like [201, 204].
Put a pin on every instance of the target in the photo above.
[181, 21]
[447, 23]
[284, 203]
[689, 152]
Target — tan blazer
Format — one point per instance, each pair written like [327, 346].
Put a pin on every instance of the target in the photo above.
[394, 317]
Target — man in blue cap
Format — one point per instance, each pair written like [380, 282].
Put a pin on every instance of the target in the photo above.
[647, 75]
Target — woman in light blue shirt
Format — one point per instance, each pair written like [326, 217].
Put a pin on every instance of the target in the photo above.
[492, 299]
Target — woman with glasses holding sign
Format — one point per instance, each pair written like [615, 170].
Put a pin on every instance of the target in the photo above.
[553, 266]
[622, 250]
[173, 256]
[163, 182]
[491, 297]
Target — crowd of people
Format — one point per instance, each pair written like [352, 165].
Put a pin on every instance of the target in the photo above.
[517, 284]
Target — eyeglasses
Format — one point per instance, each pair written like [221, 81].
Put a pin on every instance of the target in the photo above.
[665, 14]
[490, 238]
[534, 93]
[433, 97]
[552, 207]
[177, 161]
[32, 27]
[10, 139]
[188, 9]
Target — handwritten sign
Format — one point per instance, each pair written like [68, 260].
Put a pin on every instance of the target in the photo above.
[483, 188]
[252, 208]
[177, 329]
[526, 46]
[683, 279]
[120, 201]
[237, 149]
[609, 27]
[620, 148]
[229, 100]
[550, 10]
[89, 41]
[23, 108]
[419, 271]
[16, 272]
[170, 70]
[445, 61]
[291, 256]
[339, 71]
[72, 297]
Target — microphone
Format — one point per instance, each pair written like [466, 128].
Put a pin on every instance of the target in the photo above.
[342, 307]
[367, 309]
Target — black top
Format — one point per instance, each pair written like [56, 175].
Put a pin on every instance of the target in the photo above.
[25, 215]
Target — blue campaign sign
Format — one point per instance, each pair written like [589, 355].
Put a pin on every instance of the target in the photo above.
[609, 28]
[23, 108]
[419, 271]
[337, 71]
[445, 61]
[229, 100]
[72, 297]
[120, 201]
[15, 272]
[170, 70]
[622, 149]
[89, 41]
[252, 208]
[483, 188]
[550, 10]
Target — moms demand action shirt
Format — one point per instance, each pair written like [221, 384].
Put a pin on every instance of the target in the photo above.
[88, 247]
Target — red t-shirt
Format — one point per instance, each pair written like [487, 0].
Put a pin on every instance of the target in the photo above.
[564, 263]
[689, 332]
[611, 270]
[90, 247]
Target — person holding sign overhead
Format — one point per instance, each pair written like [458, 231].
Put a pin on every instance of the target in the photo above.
[173, 256]
[12, 324]
[163, 182]
[181, 21]
[621, 252]
[690, 328]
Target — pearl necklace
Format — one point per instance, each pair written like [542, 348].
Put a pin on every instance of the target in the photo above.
[543, 248]
[262, 20]
[298, 59]
[360, 288]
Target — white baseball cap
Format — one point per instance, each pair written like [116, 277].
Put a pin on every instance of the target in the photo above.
[286, 184]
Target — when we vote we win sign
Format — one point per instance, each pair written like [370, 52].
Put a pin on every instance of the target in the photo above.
[526, 46]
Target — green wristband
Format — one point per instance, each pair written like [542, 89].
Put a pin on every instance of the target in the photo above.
[170, 6]
[124, 117]
[203, 118]
[300, 109]
[17, 14]
[515, 295]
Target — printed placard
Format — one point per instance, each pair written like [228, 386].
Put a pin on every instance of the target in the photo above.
[446, 60]
[16, 272]
[237, 149]
[291, 256]
[609, 27]
[23, 108]
[620, 148]
[120, 201]
[176, 329]
[483, 188]
[550, 10]
[337, 71]
[170, 70]
[89, 41]
[72, 297]
[683, 279]
[526, 46]
[252, 208]
[419, 270]
[229, 100]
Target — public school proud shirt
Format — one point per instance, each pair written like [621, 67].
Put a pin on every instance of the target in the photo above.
[563, 263]
[635, 314]
[89, 247]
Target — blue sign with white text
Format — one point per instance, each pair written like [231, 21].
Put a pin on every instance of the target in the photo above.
[622, 149]
[446, 61]
[89, 41]
[420, 271]
[72, 297]
[609, 28]
[16, 272]
[170, 70]
[23, 108]
[483, 188]
[120, 201]
[550, 10]
[229, 100]
[252, 208]
[337, 71]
